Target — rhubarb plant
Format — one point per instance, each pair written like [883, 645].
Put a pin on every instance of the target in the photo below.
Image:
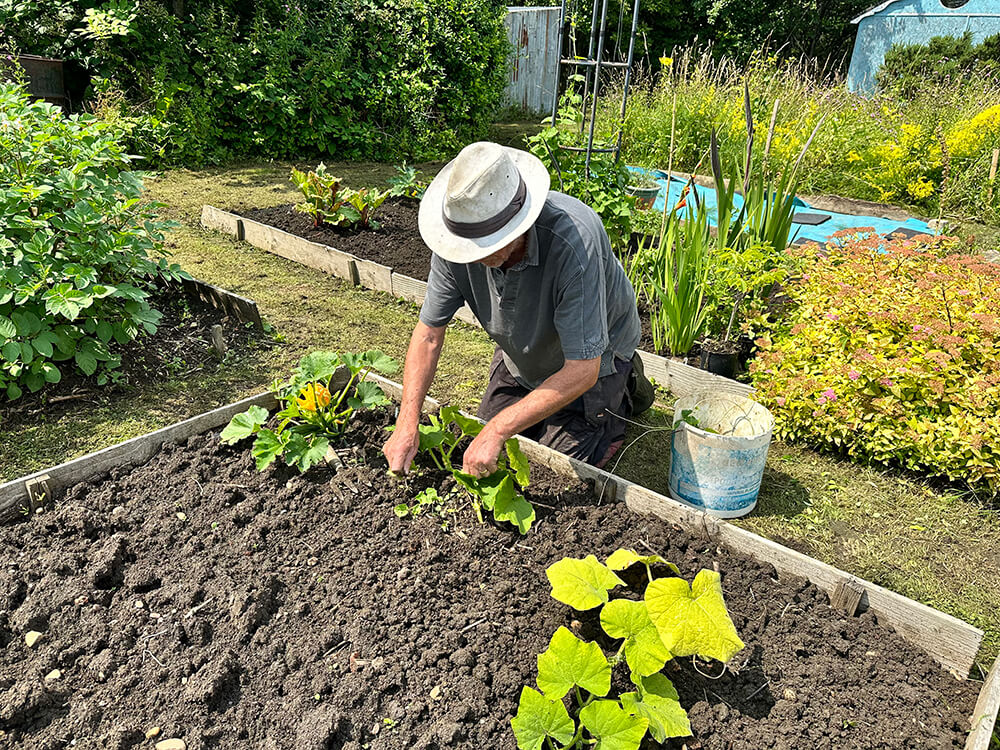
[672, 619]
[499, 492]
[321, 194]
[319, 399]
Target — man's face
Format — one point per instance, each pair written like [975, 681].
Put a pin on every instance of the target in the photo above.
[502, 255]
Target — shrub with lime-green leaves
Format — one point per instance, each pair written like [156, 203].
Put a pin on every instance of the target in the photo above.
[890, 352]
[671, 619]
[81, 249]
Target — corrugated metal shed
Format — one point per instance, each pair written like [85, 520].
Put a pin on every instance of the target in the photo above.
[914, 22]
[534, 63]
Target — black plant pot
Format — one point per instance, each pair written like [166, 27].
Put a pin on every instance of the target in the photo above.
[720, 363]
[747, 349]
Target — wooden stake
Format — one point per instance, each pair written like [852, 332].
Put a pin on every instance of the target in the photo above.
[847, 596]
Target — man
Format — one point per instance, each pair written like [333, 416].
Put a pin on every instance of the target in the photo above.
[537, 270]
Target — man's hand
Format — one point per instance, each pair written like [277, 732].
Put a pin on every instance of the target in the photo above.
[480, 459]
[400, 449]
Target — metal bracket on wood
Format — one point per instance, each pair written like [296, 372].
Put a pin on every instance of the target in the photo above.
[38, 492]
[847, 596]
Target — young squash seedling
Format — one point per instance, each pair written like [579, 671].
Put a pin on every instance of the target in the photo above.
[429, 501]
[673, 619]
[499, 491]
[315, 411]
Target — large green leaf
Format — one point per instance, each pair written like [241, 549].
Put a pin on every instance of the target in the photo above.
[432, 436]
[518, 462]
[244, 425]
[63, 299]
[657, 702]
[468, 425]
[693, 619]
[11, 351]
[318, 366]
[644, 649]
[7, 328]
[514, 509]
[368, 395]
[612, 727]
[303, 454]
[381, 362]
[267, 447]
[86, 361]
[539, 717]
[568, 661]
[623, 558]
[582, 584]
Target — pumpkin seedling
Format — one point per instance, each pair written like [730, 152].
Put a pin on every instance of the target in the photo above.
[672, 619]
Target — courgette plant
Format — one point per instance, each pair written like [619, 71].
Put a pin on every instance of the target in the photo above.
[672, 620]
[315, 411]
[498, 492]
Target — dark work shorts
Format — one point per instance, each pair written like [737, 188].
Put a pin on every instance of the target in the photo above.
[585, 428]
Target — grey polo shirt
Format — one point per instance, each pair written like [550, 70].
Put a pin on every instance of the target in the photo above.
[569, 298]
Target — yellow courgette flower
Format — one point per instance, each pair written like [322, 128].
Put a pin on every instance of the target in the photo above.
[313, 396]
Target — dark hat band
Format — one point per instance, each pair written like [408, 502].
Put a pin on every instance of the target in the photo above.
[472, 230]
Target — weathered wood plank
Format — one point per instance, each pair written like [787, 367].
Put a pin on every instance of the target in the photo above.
[241, 308]
[984, 717]
[952, 642]
[300, 250]
[466, 315]
[222, 221]
[412, 290]
[14, 500]
[372, 275]
[683, 380]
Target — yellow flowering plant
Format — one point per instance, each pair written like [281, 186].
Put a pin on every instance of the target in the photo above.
[324, 392]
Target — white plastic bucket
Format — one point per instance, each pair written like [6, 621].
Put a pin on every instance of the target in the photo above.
[717, 466]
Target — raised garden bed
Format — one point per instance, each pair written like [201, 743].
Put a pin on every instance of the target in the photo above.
[183, 344]
[677, 377]
[233, 609]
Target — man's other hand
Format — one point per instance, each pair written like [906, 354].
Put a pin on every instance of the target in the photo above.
[400, 449]
[480, 459]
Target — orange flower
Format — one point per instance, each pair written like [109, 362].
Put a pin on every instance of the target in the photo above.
[313, 396]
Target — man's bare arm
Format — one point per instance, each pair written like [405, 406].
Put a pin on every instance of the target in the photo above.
[561, 388]
[418, 373]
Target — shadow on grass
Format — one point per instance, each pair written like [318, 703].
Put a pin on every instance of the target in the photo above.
[781, 495]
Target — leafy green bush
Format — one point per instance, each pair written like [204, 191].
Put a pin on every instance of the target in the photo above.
[891, 356]
[908, 68]
[77, 242]
[237, 78]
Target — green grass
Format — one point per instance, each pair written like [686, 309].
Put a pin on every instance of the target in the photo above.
[930, 544]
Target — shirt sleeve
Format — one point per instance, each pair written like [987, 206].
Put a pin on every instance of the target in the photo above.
[581, 312]
[443, 298]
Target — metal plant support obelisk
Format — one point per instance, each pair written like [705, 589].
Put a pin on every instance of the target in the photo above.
[592, 65]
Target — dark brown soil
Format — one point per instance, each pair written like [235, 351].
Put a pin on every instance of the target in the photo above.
[181, 347]
[396, 243]
[237, 609]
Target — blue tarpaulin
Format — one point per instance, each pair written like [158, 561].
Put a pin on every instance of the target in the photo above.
[671, 190]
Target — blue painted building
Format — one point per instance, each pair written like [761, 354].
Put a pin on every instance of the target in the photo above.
[914, 22]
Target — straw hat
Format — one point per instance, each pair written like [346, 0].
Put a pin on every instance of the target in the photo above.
[484, 198]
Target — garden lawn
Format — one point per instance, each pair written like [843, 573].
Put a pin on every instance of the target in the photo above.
[934, 545]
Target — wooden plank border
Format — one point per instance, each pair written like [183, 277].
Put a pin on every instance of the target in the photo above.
[677, 377]
[949, 640]
[241, 308]
[984, 717]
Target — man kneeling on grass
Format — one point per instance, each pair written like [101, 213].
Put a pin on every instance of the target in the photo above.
[537, 270]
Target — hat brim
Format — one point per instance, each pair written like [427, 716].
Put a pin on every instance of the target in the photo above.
[457, 249]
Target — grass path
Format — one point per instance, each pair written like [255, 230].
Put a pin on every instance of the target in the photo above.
[933, 545]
